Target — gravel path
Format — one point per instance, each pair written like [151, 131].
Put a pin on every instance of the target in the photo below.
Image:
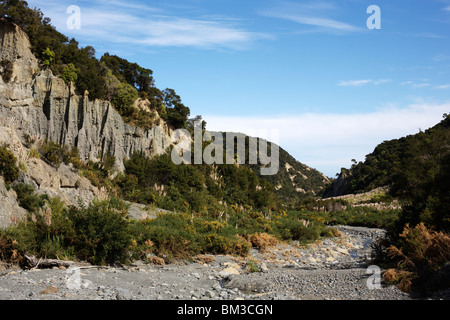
[334, 269]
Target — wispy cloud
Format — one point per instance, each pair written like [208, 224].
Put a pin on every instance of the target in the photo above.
[138, 24]
[175, 31]
[429, 35]
[444, 86]
[357, 83]
[354, 83]
[129, 5]
[329, 141]
[441, 57]
[416, 85]
[421, 85]
[381, 81]
[316, 14]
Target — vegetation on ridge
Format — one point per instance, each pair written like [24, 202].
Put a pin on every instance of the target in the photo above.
[108, 78]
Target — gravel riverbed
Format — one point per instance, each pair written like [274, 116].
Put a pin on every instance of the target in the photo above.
[333, 269]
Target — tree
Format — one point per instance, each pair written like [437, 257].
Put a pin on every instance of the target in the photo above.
[91, 76]
[422, 179]
[191, 123]
[70, 73]
[124, 99]
[133, 74]
[177, 112]
[48, 56]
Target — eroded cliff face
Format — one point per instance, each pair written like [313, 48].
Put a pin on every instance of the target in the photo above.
[36, 103]
[62, 182]
[41, 105]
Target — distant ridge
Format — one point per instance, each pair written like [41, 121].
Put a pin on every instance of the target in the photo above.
[390, 158]
[294, 179]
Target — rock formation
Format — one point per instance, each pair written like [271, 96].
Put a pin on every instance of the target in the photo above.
[35, 103]
[41, 105]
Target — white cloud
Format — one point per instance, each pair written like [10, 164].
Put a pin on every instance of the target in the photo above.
[429, 35]
[328, 142]
[444, 86]
[421, 85]
[198, 33]
[441, 57]
[356, 83]
[313, 14]
[127, 5]
[138, 24]
[416, 85]
[320, 22]
[381, 81]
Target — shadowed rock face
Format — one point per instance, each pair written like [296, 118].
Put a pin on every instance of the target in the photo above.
[41, 105]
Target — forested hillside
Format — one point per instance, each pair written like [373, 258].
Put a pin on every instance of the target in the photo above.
[292, 182]
[416, 171]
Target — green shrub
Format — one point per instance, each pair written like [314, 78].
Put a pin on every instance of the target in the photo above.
[45, 233]
[55, 154]
[52, 152]
[364, 216]
[252, 266]
[98, 234]
[102, 234]
[171, 243]
[298, 231]
[181, 236]
[225, 244]
[7, 70]
[130, 189]
[8, 165]
[140, 118]
[27, 198]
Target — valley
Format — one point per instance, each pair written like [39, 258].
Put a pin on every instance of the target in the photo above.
[88, 178]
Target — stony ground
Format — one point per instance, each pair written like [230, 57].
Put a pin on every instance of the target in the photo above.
[335, 269]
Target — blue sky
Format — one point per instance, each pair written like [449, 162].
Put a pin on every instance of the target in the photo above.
[312, 70]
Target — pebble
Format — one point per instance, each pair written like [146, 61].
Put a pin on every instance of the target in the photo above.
[209, 294]
[123, 294]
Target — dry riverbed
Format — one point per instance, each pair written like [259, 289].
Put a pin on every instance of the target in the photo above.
[334, 269]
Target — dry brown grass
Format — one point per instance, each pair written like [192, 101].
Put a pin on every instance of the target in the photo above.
[262, 241]
[204, 258]
[403, 279]
[335, 232]
[156, 260]
[420, 256]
